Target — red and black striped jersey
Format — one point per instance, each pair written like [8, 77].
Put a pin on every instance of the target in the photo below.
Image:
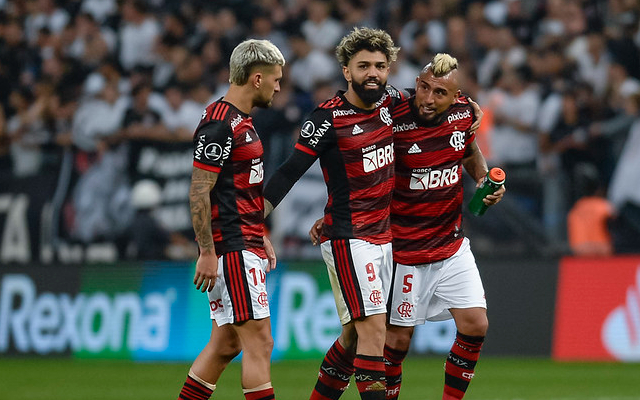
[355, 148]
[226, 143]
[426, 211]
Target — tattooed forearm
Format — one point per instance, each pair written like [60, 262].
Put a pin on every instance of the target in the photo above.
[201, 184]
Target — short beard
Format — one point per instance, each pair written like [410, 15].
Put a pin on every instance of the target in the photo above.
[368, 96]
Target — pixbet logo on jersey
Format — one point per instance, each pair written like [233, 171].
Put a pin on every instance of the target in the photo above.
[427, 178]
[375, 158]
[458, 116]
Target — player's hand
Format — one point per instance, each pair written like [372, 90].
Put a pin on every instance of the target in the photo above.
[494, 198]
[314, 233]
[271, 253]
[206, 271]
[478, 113]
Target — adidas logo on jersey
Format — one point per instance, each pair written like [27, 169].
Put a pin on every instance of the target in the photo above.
[356, 130]
[414, 149]
[248, 138]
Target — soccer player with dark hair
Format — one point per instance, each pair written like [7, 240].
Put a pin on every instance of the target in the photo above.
[435, 276]
[227, 211]
[351, 134]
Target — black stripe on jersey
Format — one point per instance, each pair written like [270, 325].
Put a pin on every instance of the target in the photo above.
[400, 110]
[343, 261]
[237, 286]
[390, 295]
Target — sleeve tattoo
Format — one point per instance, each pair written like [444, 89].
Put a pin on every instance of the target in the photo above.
[201, 184]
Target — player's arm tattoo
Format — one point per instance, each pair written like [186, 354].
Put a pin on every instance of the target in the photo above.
[201, 184]
[474, 162]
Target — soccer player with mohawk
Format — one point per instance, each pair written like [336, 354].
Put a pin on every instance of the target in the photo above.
[435, 276]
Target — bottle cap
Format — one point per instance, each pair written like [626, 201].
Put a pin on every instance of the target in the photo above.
[497, 175]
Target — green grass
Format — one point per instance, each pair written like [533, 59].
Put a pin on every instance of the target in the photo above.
[496, 379]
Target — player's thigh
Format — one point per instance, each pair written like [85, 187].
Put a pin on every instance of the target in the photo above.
[240, 292]
[359, 273]
[460, 285]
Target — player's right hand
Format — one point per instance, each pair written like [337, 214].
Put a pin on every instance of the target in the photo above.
[206, 271]
[315, 231]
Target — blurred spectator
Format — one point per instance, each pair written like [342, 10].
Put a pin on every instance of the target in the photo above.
[180, 115]
[45, 14]
[92, 43]
[320, 30]
[425, 33]
[137, 34]
[98, 120]
[100, 10]
[309, 65]
[146, 238]
[142, 122]
[515, 143]
[28, 128]
[623, 190]
[588, 220]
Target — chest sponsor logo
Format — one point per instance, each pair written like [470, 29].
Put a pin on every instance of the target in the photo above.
[236, 121]
[458, 116]
[342, 113]
[375, 158]
[257, 172]
[404, 127]
[385, 116]
[427, 178]
[457, 140]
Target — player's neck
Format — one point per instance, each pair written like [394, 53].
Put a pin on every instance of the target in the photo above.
[239, 98]
[355, 100]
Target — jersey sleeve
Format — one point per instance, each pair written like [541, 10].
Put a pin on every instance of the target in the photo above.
[317, 133]
[212, 146]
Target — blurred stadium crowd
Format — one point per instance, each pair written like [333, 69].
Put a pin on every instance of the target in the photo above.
[86, 81]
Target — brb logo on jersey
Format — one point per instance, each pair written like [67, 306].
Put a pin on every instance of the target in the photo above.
[257, 171]
[457, 140]
[427, 178]
[375, 158]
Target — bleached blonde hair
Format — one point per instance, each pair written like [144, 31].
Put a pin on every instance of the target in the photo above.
[441, 65]
[250, 54]
[366, 39]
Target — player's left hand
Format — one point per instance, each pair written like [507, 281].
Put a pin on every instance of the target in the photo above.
[271, 253]
[314, 233]
[495, 198]
[478, 113]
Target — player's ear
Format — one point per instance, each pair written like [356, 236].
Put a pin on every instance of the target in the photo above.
[346, 73]
[256, 79]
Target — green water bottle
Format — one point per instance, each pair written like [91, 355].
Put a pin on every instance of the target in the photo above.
[491, 182]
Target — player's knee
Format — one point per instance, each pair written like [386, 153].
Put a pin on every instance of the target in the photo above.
[398, 338]
[475, 327]
[229, 351]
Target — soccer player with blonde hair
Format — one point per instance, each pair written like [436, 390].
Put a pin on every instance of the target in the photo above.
[227, 212]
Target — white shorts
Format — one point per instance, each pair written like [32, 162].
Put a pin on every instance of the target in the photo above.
[360, 276]
[427, 291]
[240, 292]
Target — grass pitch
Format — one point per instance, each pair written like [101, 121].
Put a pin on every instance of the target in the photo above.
[496, 379]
